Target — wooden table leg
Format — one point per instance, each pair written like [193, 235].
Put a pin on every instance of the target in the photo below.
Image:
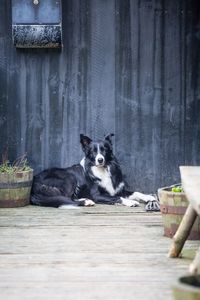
[183, 232]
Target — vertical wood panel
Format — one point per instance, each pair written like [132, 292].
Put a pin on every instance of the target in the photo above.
[172, 109]
[131, 67]
[157, 90]
[126, 106]
[148, 122]
[102, 68]
[192, 105]
[3, 79]
[76, 79]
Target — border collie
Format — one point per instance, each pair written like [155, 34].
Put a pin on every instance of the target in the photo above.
[96, 179]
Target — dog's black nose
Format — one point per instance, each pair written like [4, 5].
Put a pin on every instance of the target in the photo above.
[100, 160]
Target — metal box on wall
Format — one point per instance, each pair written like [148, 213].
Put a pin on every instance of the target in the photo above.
[37, 23]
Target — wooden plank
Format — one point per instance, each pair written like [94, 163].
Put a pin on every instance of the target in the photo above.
[172, 131]
[126, 66]
[102, 67]
[102, 252]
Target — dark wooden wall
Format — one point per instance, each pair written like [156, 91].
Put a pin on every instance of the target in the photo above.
[131, 67]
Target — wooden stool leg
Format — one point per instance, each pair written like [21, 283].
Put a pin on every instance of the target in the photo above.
[195, 265]
[183, 232]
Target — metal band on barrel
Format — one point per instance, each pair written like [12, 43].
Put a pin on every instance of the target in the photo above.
[14, 185]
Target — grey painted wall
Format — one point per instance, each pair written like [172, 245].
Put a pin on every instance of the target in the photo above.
[128, 67]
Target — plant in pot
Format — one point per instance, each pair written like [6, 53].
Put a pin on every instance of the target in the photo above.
[173, 204]
[15, 182]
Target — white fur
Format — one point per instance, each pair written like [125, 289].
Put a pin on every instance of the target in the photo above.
[129, 202]
[142, 197]
[88, 202]
[99, 156]
[105, 180]
[82, 162]
[68, 207]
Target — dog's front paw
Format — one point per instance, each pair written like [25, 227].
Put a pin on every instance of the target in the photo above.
[89, 202]
[128, 202]
[152, 206]
[86, 202]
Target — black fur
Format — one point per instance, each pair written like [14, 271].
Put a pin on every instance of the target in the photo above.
[56, 186]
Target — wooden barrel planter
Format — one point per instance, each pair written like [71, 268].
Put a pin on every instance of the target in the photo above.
[187, 288]
[173, 206]
[15, 188]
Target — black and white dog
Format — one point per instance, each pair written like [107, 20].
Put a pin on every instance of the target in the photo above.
[97, 179]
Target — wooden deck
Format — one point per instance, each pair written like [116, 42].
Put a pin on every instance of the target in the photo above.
[104, 252]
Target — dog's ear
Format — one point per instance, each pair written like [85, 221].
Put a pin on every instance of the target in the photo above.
[108, 137]
[84, 140]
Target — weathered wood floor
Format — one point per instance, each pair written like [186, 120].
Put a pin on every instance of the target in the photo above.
[104, 252]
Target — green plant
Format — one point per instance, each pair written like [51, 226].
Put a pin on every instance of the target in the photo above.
[19, 165]
[177, 189]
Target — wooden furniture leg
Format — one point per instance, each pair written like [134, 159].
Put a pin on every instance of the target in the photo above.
[183, 232]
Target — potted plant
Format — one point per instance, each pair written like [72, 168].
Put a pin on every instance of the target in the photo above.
[173, 204]
[15, 182]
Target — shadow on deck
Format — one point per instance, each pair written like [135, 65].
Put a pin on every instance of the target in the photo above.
[103, 252]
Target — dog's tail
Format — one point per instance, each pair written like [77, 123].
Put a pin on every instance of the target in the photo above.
[54, 201]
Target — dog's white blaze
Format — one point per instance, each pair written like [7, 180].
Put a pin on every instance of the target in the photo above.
[105, 180]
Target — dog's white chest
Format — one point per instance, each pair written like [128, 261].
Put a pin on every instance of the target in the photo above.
[105, 180]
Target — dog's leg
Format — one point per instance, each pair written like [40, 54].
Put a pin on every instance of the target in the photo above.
[129, 202]
[98, 198]
[46, 190]
[141, 197]
[151, 201]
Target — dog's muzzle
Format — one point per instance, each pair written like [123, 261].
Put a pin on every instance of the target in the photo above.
[99, 160]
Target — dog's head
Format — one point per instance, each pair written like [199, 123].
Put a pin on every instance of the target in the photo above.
[98, 152]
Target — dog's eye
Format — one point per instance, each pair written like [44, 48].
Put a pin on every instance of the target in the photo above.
[101, 149]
